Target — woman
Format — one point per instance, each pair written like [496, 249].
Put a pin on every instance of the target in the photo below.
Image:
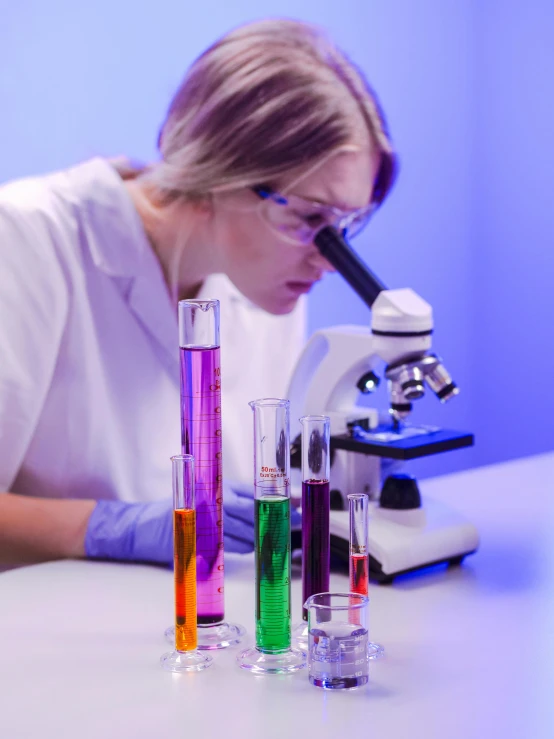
[272, 135]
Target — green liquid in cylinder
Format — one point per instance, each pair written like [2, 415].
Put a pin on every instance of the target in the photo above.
[272, 574]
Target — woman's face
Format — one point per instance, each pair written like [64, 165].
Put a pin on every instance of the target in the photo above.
[268, 269]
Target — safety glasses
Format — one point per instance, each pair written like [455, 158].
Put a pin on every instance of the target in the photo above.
[299, 220]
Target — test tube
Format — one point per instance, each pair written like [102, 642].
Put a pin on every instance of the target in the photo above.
[358, 505]
[273, 652]
[315, 515]
[201, 437]
[185, 658]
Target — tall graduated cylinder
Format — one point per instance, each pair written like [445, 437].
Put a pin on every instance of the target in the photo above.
[201, 437]
[272, 524]
[315, 506]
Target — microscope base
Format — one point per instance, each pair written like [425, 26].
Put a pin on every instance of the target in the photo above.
[404, 541]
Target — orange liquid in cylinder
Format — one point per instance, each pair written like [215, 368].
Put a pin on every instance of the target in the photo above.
[184, 531]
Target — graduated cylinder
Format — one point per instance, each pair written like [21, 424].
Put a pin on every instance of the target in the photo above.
[272, 524]
[201, 437]
[315, 506]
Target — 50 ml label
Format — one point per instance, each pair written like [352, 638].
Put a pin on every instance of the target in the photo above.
[272, 473]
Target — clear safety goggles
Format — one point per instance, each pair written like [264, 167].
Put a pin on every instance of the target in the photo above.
[299, 220]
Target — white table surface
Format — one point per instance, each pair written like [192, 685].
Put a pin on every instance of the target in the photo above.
[470, 651]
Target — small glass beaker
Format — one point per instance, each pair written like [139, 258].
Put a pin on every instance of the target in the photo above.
[338, 655]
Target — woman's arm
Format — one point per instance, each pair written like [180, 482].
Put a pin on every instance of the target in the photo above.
[42, 529]
[39, 529]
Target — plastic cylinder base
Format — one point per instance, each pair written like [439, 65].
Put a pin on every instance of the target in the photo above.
[264, 663]
[192, 661]
[215, 636]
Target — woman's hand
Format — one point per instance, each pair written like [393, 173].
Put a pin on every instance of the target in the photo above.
[143, 532]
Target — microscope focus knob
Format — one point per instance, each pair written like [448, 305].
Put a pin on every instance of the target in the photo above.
[400, 493]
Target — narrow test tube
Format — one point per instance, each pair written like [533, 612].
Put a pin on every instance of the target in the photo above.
[358, 504]
[359, 559]
[185, 657]
[315, 507]
[201, 437]
[273, 652]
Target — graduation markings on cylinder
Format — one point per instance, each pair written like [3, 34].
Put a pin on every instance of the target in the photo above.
[273, 573]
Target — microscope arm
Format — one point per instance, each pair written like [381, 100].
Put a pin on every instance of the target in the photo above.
[326, 375]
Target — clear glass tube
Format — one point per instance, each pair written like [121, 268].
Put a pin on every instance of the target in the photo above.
[315, 506]
[201, 436]
[358, 506]
[315, 515]
[273, 652]
[185, 658]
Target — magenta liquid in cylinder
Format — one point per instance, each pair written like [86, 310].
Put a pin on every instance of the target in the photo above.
[315, 539]
[315, 506]
[201, 437]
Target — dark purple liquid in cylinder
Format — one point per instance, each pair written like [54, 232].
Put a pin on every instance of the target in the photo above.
[201, 437]
[315, 539]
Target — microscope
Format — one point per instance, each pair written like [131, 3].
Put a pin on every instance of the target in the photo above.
[339, 363]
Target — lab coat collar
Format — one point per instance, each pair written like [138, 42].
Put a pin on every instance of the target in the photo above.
[117, 241]
[133, 254]
[119, 247]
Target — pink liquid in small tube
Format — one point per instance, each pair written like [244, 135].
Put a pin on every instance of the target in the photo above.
[358, 560]
[201, 437]
[359, 574]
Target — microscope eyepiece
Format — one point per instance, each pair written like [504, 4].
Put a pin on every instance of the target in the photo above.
[344, 259]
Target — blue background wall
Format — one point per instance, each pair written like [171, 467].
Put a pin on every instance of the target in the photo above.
[467, 89]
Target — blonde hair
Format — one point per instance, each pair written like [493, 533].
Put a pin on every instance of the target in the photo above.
[264, 100]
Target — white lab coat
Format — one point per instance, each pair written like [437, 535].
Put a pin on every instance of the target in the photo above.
[89, 373]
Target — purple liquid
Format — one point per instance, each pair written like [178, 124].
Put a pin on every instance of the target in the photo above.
[315, 539]
[201, 437]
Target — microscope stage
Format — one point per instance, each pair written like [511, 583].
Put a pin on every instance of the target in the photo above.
[410, 442]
